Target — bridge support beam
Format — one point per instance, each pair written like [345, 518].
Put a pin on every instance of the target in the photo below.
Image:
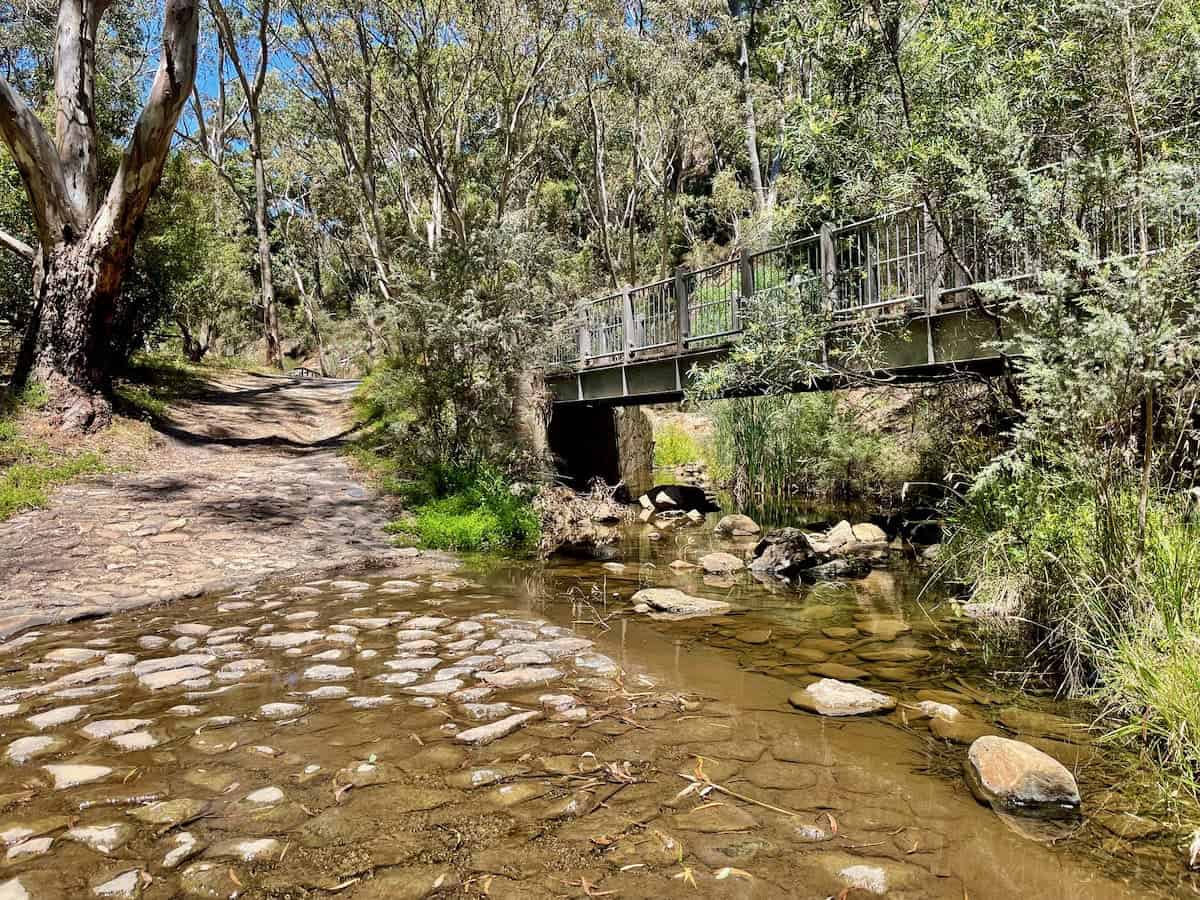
[614, 444]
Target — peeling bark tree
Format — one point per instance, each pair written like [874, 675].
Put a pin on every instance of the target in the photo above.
[85, 242]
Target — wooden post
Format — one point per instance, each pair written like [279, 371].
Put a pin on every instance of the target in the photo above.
[630, 338]
[682, 313]
[828, 266]
[933, 256]
[746, 268]
[585, 335]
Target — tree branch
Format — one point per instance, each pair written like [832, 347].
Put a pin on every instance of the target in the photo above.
[141, 166]
[40, 169]
[15, 244]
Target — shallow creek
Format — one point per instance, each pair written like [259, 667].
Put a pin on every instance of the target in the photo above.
[516, 731]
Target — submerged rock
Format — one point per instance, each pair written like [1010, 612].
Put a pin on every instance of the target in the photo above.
[1011, 776]
[669, 600]
[721, 563]
[485, 734]
[829, 697]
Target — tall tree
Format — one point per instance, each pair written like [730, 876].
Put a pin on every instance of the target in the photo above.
[85, 240]
[252, 77]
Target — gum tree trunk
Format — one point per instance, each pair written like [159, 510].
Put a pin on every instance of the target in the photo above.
[67, 346]
[86, 235]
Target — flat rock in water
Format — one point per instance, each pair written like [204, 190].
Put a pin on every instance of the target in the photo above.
[69, 775]
[715, 819]
[839, 672]
[754, 635]
[525, 677]
[170, 813]
[829, 697]
[1011, 776]
[409, 883]
[669, 600]
[156, 681]
[485, 734]
[962, 730]
[721, 563]
[24, 749]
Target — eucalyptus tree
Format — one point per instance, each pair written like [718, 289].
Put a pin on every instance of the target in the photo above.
[245, 37]
[85, 233]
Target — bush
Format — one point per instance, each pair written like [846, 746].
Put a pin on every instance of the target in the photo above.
[673, 447]
[1112, 606]
[473, 509]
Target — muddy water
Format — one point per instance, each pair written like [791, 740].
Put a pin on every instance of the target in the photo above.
[515, 732]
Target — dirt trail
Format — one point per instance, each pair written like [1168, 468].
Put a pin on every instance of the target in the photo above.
[249, 485]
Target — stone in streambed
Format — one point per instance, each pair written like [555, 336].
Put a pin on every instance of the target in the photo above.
[485, 734]
[525, 677]
[69, 775]
[839, 672]
[24, 749]
[1011, 776]
[829, 697]
[721, 563]
[105, 839]
[677, 603]
[737, 525]
[962, 730]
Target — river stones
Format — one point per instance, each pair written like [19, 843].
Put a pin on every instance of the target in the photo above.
[69, 775]
[52, 718]
[180, 848]
[326, 672]
[156, 681]
[127, 884]
[409, 883]
[105, 839]
[677, 603]
[1028, 721]
[168, 814]
[103, 729]
[894, 654]
[721, 563]
[485, 734]
[524, 677]
[960, 730]
[245, 849]
[24, 749]
[1011, 776]
[839, 672]
[737, 525]
[882, 628]
[716, 819]
[829, 697]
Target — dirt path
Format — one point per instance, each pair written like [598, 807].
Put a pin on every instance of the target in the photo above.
[249, 485]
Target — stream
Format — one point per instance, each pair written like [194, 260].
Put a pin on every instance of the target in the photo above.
[515, 730]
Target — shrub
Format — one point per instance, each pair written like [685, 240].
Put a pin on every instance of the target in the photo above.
[471, 508]
[673, 447]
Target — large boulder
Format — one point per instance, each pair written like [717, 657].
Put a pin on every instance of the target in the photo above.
[785, 553]
[840, 535]
[829, 697]
[721, 563]
[1011, 776]
[842, 567]
[869, 533]
[677, 603]
[737, 525]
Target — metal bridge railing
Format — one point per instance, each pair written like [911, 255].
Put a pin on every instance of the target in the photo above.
[897, 263]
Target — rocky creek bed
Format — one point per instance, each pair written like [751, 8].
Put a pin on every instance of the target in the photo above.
[520, 731]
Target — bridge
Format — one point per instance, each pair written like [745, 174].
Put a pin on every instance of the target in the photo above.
[917, 280]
